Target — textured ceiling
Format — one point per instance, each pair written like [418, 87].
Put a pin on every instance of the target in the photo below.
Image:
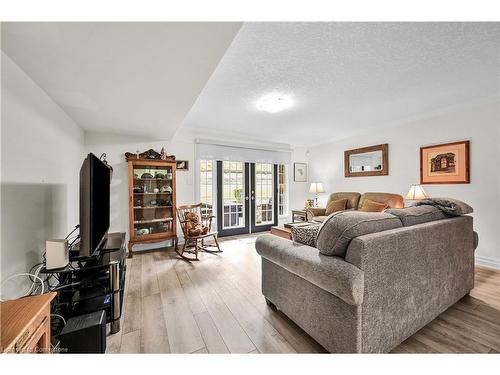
[125, 78]
[345, 77]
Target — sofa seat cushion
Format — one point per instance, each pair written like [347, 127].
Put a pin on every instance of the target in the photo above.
[336, 205]
[305, 234]
[340, 228]
[319, 219]
[417, 214]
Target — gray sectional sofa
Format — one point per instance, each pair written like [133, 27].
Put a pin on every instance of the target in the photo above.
[374, 278]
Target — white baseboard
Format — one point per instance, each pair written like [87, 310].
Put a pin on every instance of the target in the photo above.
[488, 262]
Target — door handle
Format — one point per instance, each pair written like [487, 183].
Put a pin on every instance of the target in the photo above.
[253, 197]
[246, 198]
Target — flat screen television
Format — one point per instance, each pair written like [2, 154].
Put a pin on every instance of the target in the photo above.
[95, 181]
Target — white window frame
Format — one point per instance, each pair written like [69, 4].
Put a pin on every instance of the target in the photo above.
[214, 186]
[273, 196]
[286, 194]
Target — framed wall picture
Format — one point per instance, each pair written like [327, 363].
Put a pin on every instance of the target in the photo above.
[182, 165]
[367, 161]
[300, 172]
[445, 163]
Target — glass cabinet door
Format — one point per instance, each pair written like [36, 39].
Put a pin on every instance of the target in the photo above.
[153, 200]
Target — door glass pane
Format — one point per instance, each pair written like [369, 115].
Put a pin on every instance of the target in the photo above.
[233, 196]
[264, 198]
[153, 208]
[206, 191]
[282, 190]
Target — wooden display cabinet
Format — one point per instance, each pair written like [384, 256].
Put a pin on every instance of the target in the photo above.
[152, 192]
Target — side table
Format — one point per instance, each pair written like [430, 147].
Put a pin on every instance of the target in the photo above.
[282, 232]
[299, 214]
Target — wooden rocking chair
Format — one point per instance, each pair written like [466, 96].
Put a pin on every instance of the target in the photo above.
[193, 244]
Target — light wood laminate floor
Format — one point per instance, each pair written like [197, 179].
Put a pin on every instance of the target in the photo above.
[215, 306]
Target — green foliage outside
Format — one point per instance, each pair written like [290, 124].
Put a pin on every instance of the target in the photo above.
[238, 195]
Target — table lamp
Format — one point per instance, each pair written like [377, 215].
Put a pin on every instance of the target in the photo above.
[316, 187]
[416, 193]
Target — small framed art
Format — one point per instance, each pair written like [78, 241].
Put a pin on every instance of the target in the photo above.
[300, 172]
[182, 165]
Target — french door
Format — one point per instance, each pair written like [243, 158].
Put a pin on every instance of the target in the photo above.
[233, 203]
[246, 197]
[263, 196]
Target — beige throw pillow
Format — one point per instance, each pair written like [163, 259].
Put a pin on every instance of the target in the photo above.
[336, 205]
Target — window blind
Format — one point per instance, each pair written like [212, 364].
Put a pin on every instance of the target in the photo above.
[215, 150]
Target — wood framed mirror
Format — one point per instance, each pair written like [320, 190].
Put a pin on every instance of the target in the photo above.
[367, 161]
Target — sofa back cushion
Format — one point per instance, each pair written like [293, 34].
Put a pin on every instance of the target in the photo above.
[337, 231]
[450, 206]
[352, 198]
[336, 205]
[391, 200]
[372, 206]
[417, 214]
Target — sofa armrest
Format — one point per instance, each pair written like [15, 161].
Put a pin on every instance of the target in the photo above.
[314, 211]
[476, 240]
[329, 273]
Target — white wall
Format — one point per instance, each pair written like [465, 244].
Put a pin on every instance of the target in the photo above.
[297, 189]
[115, 147]
[183, 147]
[41, 153]
[479, 124]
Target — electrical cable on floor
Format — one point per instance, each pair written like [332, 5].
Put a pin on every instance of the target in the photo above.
[25, 274]
[33, 286]
[47, 280]
[70, 233]
[36, 280]
[60, 317]
[74, 242]
[63, 286]
[33, 268]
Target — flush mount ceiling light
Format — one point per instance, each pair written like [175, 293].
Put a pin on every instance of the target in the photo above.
[274, 103]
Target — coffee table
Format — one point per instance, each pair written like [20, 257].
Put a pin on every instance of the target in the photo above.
[282, 232]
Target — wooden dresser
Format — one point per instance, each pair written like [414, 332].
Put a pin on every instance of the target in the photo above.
[25, 324]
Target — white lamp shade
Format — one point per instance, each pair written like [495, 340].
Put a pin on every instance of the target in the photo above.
[316, 187]
[416, 192]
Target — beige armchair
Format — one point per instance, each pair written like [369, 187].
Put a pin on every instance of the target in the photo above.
[319, 214]
[313, 212]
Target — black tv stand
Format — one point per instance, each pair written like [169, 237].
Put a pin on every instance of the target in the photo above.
[95, 283]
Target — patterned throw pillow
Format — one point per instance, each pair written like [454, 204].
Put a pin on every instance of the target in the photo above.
[372, 206]
[336, 205]
[306, 234]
